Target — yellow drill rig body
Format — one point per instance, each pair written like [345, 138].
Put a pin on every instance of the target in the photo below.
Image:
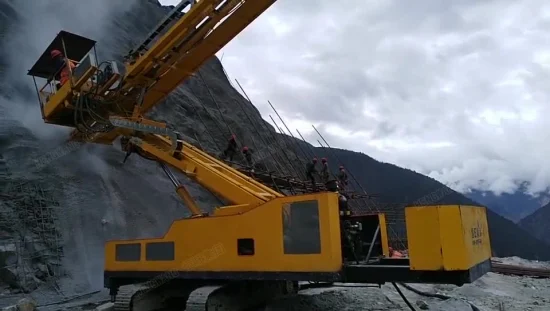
[264, 242]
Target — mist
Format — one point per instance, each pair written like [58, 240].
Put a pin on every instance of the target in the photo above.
[36, 25]
[79, 177]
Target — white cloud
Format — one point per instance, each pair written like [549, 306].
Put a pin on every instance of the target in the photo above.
[455, 89]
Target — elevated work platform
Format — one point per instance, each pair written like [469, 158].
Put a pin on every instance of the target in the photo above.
[56, 97]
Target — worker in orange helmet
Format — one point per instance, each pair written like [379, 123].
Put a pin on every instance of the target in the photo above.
[231, 149]
[62, 73]
[325, 173]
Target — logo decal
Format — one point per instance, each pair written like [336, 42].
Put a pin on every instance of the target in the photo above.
[477, 234]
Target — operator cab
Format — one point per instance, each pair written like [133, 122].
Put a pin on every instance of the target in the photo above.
[363, 236]
[59, 82]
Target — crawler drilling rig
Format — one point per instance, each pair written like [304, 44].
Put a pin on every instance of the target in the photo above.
[264, 242]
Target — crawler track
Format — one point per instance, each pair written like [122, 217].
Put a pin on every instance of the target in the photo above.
[234, 296]
[127, 295]
[198, 300]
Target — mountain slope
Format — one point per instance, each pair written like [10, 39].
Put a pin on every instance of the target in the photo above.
[94, 196]
[538, 223]
[513, 206]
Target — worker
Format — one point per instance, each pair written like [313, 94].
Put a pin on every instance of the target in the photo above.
[343, 204]
[311, 171]
[62, 72]
[58, 62]
[127, 146]
[247, 153]
[342, 177]
[231, 149]
[325, 173]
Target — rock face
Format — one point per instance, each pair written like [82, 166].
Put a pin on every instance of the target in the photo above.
[61, 202]
[93, 196]
[30, 248]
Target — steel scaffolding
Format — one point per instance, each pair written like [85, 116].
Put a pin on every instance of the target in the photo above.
[29, 221]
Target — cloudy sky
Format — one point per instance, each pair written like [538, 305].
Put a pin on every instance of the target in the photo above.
[457, 90]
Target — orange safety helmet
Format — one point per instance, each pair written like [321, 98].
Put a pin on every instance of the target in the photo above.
[55, 53]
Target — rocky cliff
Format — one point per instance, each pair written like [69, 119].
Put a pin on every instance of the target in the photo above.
[86, 192]
[61, 202]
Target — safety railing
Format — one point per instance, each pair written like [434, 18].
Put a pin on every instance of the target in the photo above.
[52, 85]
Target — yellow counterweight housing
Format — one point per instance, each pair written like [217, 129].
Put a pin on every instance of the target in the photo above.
[447, 237]
[289, 234]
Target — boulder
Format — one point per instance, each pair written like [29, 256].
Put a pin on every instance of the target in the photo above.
[26, 304]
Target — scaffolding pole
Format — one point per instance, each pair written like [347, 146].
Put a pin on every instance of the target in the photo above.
[273, 136]
[310, 147]
[298, 171]
[294, 140]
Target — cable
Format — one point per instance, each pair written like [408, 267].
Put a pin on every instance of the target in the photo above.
[435, 295]
[88, 113]
[403, 297]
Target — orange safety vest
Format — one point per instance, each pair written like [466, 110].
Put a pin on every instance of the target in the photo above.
[65, 74]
